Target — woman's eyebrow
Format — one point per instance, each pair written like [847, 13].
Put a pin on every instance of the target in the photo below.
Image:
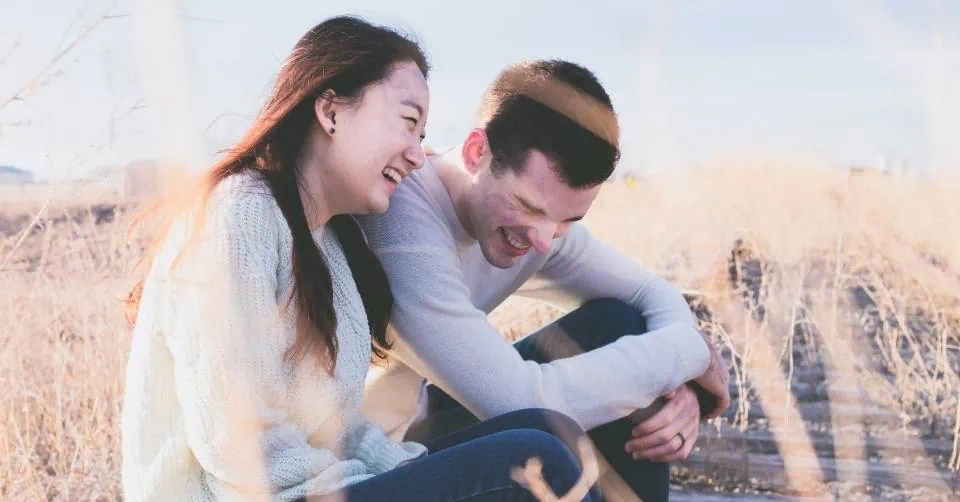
[414, 104]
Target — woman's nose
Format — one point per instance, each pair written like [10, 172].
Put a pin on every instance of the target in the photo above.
[415, 156]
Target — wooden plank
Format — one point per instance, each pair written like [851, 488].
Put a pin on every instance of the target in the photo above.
[841, 413]
[810, 374]
[763, 441]
[694, 496]
[809, 391]
[770, 469]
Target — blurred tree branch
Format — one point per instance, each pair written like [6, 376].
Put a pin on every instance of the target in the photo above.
[13, 47]
[38, 78]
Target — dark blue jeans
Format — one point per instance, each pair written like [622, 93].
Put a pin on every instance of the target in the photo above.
[593, 325]
[474, 463]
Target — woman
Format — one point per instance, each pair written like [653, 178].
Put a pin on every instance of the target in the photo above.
[261, 306]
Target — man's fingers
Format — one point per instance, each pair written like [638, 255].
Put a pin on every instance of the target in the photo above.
[681, 414]
[688, 417]
[655, 439]
[690, 433]
[658, 445]
[678, 455]
[660, 419]
[670, 446]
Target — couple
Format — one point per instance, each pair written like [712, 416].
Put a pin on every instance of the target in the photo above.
[263, 300]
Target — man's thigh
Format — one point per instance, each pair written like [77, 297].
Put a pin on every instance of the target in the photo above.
[595, 324]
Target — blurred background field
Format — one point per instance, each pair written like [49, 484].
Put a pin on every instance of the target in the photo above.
[835, 297]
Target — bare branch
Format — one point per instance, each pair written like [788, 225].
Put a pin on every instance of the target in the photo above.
[200, 19]
[140, 104]
[38, 78]
[6, 55]
[955, 455]
[63, 37]
[24, 233]
[223, 115]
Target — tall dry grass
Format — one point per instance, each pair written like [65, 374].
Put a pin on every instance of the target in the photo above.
[865, 268]
[860, 273]
[63, 344]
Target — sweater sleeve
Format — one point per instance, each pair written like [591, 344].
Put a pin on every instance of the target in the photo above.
[444, 337]
[582, 268]
[372, 446]
[228, 362]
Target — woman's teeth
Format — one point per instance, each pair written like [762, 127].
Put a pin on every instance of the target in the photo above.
[514, 242]
[393, 175]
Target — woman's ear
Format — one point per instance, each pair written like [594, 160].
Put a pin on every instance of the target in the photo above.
[325, 108]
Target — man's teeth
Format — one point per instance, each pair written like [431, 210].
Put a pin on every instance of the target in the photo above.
[393, 174]
[514, 242]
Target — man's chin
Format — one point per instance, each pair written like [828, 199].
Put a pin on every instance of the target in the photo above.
[498, 260]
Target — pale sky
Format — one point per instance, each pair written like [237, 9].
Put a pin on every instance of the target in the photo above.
[845, 81]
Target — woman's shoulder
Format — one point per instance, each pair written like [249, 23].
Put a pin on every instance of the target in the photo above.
[240, 218]
[245, 186]
[244, 199]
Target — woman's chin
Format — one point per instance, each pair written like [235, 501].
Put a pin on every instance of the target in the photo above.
[378, 205]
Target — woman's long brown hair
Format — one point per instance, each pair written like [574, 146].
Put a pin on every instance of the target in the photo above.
[345, 55]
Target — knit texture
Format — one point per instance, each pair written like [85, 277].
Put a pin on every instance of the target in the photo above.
[444, 288]
[212, 409]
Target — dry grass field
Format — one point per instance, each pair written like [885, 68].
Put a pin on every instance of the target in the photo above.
[836, 298]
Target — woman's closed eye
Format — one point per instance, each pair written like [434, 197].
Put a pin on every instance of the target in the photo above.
[415, 122]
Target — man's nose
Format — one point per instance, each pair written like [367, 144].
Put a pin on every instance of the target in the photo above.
[542, 236]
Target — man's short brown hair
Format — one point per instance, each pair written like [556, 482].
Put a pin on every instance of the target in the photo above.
[558, 108]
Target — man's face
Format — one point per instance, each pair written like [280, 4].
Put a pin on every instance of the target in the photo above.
[513, 215]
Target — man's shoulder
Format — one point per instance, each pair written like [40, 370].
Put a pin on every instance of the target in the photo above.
[414, 215]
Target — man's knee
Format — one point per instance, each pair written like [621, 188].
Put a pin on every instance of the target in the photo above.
[534, 442]
[610, 308]
[607, 314]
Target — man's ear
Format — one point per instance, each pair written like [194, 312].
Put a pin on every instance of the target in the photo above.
[325, 109]
[476, 151]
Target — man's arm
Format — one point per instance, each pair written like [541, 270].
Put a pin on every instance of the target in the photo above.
[581, 268]
[446, 339]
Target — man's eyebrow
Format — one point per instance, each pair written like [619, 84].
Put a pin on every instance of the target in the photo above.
[536, 210]
[410, 102]
[529, 206]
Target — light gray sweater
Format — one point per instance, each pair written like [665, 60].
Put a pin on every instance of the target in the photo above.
[212, 410]
[444, 288]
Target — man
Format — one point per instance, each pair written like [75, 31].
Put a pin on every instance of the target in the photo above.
[500, 215]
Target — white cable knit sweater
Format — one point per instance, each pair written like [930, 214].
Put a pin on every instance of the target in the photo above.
[212, 411]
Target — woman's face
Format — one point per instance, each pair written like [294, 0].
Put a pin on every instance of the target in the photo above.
[376, 141]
